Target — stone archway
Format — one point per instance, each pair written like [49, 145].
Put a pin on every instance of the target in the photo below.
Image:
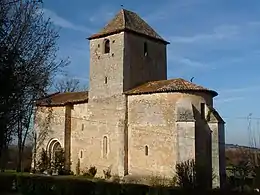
[53, 148]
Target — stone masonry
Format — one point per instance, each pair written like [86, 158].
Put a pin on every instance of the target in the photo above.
[133, 120]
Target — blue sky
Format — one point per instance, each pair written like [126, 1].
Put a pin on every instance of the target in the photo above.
[215, 41]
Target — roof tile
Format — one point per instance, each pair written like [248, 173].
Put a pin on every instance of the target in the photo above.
[172, 85]
[128, 21]
[61, 99]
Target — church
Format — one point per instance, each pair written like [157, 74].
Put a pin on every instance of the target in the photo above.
[133, 120]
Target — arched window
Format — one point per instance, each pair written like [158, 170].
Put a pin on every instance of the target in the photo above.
[106, 46]
[82, 127]
[104, 146]
[145, 49]
[81, 154]
[146, 150]
[54, 149]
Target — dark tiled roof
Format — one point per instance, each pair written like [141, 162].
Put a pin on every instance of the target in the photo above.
[173, 85]
[61, 99]
[128, 21]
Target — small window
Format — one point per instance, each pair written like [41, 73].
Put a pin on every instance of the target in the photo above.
[105, 146]
[202, 110]
[105, 81]
[81, 154]
[82, 127]
[146, 150]
[145, 49]
[106, 46]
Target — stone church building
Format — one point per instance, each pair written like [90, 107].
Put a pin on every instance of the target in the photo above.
[133, 120]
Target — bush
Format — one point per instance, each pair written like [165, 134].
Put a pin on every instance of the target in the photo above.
[78, 167]
[192, 175]
[58, 163]
[186, 174]
[157, 181]
[7, 182]
[107, 173]
[91, 172]
[56, 185]
[42, 185]
[44, 162]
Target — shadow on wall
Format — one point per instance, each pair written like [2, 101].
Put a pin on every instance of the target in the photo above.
[203, 148]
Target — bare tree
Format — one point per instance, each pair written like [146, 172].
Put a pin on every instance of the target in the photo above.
[67, 84]
[28, 63]
[41, 129]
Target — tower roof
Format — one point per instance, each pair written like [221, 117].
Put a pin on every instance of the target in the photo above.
[128, 21]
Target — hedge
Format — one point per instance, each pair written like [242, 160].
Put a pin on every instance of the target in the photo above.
[56, 185]
[7, 182]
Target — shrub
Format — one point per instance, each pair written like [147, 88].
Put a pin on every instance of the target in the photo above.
[107, 173]
[186, 174]
[78, 167]
[42, 185]
[55, 185]
[155, 181]
[44, 162]
[7, 182]
[116, 178]
[91, 172]
[194, 175]
[58, 163]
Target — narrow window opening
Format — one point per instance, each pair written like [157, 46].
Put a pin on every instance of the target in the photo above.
[81, 154]
[146, 150]
[145, 49]
[105, 146]
[105, 80]
[82, 127]
[106, 46]
[202, 110]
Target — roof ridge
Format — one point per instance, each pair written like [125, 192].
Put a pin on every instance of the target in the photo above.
[124, 21]
[128, 21]
[49, 95]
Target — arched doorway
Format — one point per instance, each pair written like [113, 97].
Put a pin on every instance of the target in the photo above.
[54, 148]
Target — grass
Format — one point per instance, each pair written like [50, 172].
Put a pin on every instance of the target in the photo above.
[76, 177]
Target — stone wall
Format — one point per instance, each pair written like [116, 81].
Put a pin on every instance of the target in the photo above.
[151, 122]
[140, 68]
[103, 118]
[106, 106]
[79, 129]
[106, 69]
[49, 125]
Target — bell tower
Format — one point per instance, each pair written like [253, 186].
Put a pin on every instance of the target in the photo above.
[127, 52]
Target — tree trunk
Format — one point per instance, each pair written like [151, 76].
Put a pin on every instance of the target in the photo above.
[19, 133]
[34, 151]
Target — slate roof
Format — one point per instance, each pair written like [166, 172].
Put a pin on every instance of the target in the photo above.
[61, 99]
[172, 85]
[128, 21]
